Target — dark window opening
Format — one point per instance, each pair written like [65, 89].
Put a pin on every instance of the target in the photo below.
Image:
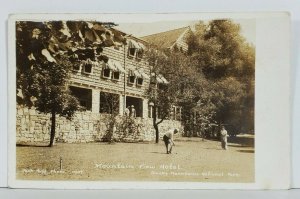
[116, 75]
[106, 73]
[173, 113]
[83, 103]
[109, 103]
[134, 104]
[76, 67]
[150, 111]
[178, 114]
[158, 113]
[161, 86]
[131, 79]
[139, 54]
[88, 68]
[139, 81]
[84, 97]
[131, 52]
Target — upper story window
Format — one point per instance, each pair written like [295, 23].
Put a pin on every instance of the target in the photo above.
[106, 73]
[135, 49]
[112, 69]
[139, 54]
[131, 77]
[76, 67]
[139, 81]
[87, 68]
[131, 52]
[116, 75]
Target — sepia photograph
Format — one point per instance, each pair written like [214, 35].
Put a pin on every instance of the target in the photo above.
[163, 101]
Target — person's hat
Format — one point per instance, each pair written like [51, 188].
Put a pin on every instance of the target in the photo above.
[132, 105]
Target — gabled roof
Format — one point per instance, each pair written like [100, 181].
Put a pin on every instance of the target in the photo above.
[165, 39]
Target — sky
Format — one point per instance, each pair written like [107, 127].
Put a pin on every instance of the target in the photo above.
[143, 29]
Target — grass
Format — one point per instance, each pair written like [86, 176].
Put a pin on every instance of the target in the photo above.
[193, 159]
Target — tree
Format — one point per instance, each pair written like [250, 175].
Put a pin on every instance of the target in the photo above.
[159, 92]
[184, 86]
[228, 63]
[46, 52]
[110, 106]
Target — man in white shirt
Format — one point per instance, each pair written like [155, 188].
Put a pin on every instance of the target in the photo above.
[223, 137]
[127, 111]
[169, 140]
[133, 111]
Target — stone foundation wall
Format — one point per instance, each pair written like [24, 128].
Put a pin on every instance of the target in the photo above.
[33, 127]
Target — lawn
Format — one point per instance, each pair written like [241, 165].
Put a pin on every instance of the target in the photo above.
[193, 159]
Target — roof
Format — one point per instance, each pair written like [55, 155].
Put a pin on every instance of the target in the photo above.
[165, 39]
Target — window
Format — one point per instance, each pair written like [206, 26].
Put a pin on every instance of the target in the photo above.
[173, 113]
[87, 68]
[150, 110]
[83, 104]
[178, 114]
[135, 105]
[76, 67]
[84, 97]
[106, 73]
[161, 86]
[109, 103]
[139, 81]
[139, 54]
[116, 75]
[131, 79]
[131, 52]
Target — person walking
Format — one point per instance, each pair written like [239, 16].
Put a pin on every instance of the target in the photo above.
[224, 138]
[169, 140]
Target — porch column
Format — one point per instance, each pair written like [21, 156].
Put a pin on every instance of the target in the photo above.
[145, 108]
[180, 113]
[95, 101]
[121, 104]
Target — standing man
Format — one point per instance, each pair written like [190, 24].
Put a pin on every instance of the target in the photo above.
[127, 111]
[168, 139]
[224, 138]
[133, 111]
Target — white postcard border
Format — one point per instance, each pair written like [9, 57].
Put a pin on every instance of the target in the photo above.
[272, 102]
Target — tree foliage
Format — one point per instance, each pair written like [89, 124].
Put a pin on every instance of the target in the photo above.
[212, 81]
[227, 61]
[46, 52]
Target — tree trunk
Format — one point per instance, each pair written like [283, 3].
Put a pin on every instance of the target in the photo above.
[156, 133]
[52, 132]
[155, 124]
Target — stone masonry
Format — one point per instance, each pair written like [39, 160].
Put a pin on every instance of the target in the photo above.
[34, 128]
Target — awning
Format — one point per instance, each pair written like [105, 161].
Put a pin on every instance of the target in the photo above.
[163, 79]
[115, 66]
[136, 45]
[119, 66]
[137, 74]
[88, 61]
[160, 78]
[144, 75]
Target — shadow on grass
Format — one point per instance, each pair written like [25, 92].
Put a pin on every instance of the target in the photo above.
[246, 151]
[242, 141]
[158, 152]
[217, 149]
[28, 145]
[238, 146]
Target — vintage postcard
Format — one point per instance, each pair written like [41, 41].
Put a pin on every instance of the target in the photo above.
[149, 101]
